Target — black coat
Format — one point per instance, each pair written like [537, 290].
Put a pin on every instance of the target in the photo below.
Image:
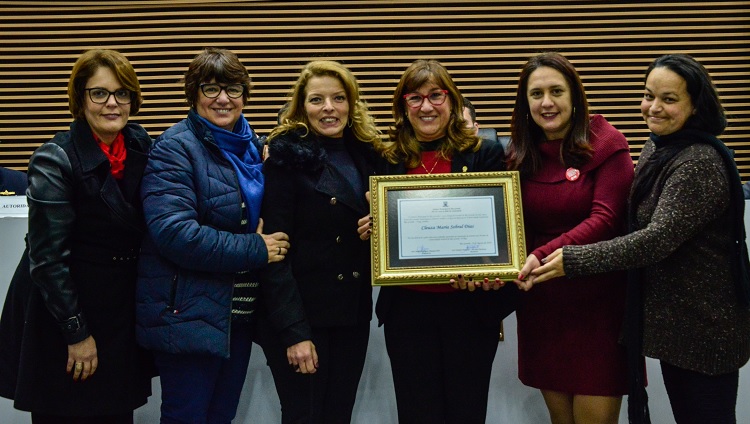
[85, 229]
[328, 265]
[492, 306]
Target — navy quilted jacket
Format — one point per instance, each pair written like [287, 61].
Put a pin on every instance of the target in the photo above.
[195, 244]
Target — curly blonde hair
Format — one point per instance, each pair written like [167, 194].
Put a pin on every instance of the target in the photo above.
[295, 117]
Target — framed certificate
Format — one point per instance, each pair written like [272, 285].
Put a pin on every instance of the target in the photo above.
[431, 228]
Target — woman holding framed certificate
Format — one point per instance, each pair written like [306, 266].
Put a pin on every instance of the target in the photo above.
[568, 330]
[441, 366]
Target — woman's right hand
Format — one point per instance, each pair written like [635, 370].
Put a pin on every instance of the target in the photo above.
[82, 359]
[303, 357]
[277, 244]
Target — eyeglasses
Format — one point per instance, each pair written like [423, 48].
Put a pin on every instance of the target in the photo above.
[100, 96]
[212, 90]
[436, 98]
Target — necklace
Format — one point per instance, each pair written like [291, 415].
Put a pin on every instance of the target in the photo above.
[437, 159]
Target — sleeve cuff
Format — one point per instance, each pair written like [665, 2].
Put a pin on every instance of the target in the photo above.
[296, 333]
[575, 261]
[74, 329]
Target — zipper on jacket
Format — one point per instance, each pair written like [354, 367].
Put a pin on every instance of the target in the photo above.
[172, 295]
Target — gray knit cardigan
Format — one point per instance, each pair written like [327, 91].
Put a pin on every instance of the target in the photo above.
[692, 317]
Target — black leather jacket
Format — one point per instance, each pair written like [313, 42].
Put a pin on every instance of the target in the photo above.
[78, 211]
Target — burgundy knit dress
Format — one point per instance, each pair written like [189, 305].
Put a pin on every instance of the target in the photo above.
[568, 329]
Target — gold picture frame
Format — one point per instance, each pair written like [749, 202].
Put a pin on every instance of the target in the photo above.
[430, 228]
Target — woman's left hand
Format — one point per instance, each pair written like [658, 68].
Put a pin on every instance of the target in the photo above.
[524, 282]
[364, 225]
[82, 359]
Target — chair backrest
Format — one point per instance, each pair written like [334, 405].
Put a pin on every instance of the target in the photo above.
[491, 134]
[488, 133]
[504, 141]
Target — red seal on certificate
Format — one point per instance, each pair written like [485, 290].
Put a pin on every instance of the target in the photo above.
[572, 174]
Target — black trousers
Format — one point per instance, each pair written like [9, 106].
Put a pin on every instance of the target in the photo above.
[441, 357]
[697, 398]
[126, 418]
[326, 397]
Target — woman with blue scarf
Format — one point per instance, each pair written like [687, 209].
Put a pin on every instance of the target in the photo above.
[198, 271]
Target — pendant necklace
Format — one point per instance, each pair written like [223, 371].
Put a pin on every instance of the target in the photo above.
[437, 159]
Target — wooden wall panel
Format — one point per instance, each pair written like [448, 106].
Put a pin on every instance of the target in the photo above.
[482, 43]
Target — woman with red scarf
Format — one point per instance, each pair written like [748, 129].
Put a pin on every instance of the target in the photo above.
[68, 329]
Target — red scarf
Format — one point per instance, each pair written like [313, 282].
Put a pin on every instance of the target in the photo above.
[116, 153]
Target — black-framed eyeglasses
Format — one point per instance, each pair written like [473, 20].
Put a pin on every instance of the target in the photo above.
[436, 98]
[100, 95]
[213, 90]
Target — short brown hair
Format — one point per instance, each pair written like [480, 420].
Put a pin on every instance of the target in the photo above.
[218, 64]
[87, 65]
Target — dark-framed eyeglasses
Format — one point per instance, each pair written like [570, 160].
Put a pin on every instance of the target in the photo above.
[436, 98]
[100, 95]
[212, 90]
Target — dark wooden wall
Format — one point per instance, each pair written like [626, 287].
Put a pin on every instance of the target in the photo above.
[482, 43]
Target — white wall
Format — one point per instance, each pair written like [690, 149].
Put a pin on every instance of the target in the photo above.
[510, 401]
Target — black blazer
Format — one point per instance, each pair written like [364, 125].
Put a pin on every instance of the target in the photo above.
[489, 157]
[327, 270]
[491, 306]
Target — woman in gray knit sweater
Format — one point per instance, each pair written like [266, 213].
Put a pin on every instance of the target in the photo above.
[688, 291]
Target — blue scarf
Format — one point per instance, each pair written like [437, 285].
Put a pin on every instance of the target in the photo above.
[238, 147]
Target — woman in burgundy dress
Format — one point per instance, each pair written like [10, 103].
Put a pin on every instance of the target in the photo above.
[576, 173]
